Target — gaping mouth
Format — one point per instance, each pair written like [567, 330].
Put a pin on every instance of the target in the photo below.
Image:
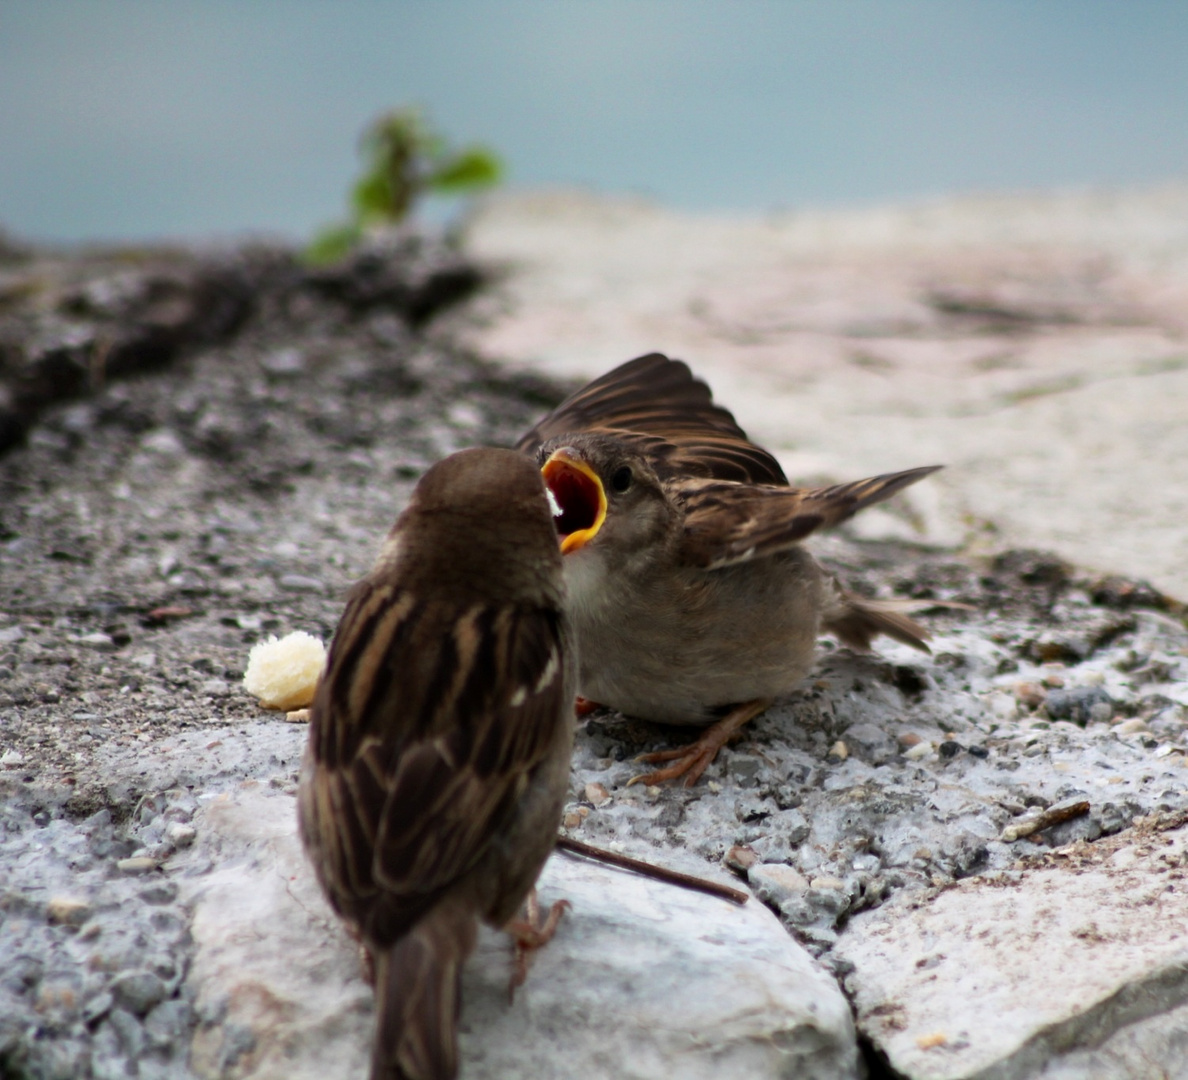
[579, 503]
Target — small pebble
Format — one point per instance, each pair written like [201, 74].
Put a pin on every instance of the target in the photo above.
[160, 892]
[741, 858]
[67, 910]
[102, 642]
[949, 749]
[744, 768]
[920, 750]
[138, 991]
[1030, 694]
[776, 882]
[140, 864]
[597, 795]
[1003, 706]
[300, 583]
[839, 751]
[1101, 712]
[1134, 726]
[1080, 704]
[180, 834]
[287, 361]
[98, 1007]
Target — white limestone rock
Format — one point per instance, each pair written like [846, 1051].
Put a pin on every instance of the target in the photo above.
[1069, 969]
[643, 979]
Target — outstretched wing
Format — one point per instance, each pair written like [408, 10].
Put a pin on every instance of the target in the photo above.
[671, 413]
[426, 729]
[730, 523]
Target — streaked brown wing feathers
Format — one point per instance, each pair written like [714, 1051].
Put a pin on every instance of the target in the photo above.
[408, 792]
[728, 523]
[658, 398]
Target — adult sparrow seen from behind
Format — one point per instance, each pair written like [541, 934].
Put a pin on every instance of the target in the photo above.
[439, 743]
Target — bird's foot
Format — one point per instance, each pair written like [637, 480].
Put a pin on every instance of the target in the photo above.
[692, 760]
[529, 934]
[583, 707]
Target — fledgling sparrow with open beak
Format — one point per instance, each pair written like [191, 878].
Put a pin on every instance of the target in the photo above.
[439, 743]
[691, 596]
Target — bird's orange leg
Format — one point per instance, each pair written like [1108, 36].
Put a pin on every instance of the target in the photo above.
[531, 933]
[692, 760]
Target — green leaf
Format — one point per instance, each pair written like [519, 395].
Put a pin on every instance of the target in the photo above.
[402, 158]
[371, 197]
[470, 169]
[331, 244]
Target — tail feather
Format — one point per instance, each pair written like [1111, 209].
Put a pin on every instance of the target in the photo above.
[842, 501]
[856, 621]
[418, 998]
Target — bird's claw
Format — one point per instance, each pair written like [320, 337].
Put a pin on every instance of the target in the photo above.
[529, 934]
[692, 760]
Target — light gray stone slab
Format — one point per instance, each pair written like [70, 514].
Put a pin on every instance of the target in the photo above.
[1033, 343]
[1067, 969]
[642, 980]
[276, 980]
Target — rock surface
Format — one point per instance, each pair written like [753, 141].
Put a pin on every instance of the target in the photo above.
[275, 980]
[641, 979]
[1071, 957]
[154, 529]
[1034, 344]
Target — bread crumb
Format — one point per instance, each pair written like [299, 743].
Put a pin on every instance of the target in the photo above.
[283, 672]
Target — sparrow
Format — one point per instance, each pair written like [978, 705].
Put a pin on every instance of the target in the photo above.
[692, 598]
[439, 743]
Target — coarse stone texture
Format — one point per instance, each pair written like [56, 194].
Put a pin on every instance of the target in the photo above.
[642, 979]
[1034, 344]
[91, 960]
[155, 522]
[155, 528]
[276, 981]
[1055, 970]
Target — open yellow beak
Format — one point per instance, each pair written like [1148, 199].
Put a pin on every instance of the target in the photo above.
[578, 497]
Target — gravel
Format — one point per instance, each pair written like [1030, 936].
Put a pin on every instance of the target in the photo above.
[943, 755]
[90, 955]
[153, 526]
[158, 525]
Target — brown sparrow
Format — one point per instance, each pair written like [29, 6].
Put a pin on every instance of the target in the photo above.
[439, 743]
[691, 597]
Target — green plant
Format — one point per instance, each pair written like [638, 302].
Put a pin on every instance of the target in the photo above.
[404, 158]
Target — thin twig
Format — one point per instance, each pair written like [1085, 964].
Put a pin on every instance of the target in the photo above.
[660, 873]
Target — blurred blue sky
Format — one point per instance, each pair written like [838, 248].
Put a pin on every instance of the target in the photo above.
[138, 118]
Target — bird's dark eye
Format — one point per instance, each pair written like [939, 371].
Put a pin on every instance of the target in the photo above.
[621, 479]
